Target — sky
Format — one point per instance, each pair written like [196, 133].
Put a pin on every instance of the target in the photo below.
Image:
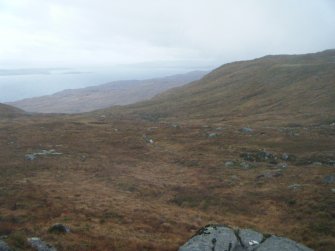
[86, 33]
[107, 40]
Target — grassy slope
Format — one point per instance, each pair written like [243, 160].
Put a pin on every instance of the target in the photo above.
[7, 111]
[119, 192]
[296, 88]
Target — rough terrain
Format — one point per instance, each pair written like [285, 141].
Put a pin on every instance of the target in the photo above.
[147, 177]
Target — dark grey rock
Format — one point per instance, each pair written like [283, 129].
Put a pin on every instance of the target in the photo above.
[40, 245]
[264, 156]
[223, 238]
[295, 187]
[282, 165]
[148, 140]
[59, 229]
[246, 165]
[229, 164]
[212, 238]
[285, 156]
[51, 152]
[4, 246]
[246, 130]
[270, 174]
[248, 156]
[213, 135]
[30, 156]
[275, 243]
[329, 179]
[249, 238]
[260, 156]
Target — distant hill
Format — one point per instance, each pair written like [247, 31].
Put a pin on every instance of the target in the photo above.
[7, 111]
[283, 89]
[106, 95]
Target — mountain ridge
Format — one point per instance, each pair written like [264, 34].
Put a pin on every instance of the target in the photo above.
[298, 87]
[105, 95]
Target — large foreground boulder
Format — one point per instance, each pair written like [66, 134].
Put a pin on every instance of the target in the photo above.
[224, 238]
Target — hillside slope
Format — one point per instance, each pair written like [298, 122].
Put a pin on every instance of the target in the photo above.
[106, 95]
[7, 111]
[277, 88]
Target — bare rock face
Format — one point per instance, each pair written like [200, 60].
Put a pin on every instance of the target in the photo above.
[212, 238]
[224, 238]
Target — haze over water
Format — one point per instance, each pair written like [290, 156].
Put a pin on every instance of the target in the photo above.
[32, 83]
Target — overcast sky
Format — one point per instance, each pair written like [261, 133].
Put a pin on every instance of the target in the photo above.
[39, 33]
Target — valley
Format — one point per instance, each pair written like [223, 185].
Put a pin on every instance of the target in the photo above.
[147, 176]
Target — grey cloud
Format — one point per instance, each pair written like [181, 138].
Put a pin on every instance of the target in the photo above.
[102, 32]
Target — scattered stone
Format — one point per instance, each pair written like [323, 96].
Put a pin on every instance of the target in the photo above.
[246, 165]
[331, 162]
[247, 156]
[4, 246]
[212, 238]
[269, 174]
[40, 245]
[150, 129]
[229, 164]
[282, 165]
[224, 238]
[264, 156]
[261, 156]
[148, 140]
[175, 126]
[295, 187]
[275, 243]
[317, 163]
[329, 179]
[246, 130]
[333, 190]
[59, 229]
[213, 135]
[32, 156]
[285, 156]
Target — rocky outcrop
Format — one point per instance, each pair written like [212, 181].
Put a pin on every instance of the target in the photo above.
[40, 245]
[4, 246]
[224, 238]
[59, 229]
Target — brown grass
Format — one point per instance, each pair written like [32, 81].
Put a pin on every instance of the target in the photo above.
[116, 191]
